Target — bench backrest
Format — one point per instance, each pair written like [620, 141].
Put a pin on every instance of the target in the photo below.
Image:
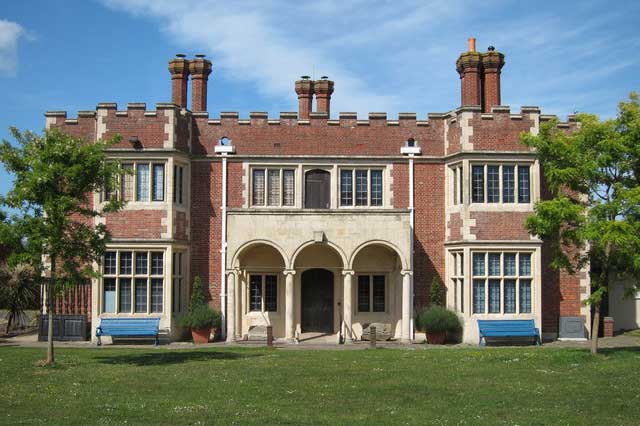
[129, 323]
[506, 326]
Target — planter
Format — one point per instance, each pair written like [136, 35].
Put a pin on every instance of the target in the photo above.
[200, 336]
[436, 338]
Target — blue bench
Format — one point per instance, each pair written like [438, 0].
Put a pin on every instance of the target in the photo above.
[128, 327]
[508, 330]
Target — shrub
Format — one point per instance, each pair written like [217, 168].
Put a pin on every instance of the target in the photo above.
[437, 319]
[200, 318]
[435, 295]
[197, 294]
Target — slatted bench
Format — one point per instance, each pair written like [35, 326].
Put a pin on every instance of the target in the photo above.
[503, 331]
[128, 327]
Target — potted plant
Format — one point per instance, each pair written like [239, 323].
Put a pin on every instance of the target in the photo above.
[200, 318]
[436, 322]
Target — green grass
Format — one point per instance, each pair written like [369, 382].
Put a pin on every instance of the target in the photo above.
[496, 386]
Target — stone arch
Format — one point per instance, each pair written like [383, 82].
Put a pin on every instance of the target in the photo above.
[335, 248]
[387, 244]
[248, 246]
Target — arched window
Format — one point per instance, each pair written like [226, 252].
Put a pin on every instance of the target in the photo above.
[317, 189]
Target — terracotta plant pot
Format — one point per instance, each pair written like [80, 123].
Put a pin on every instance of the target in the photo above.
[200, 336]
[436, 338]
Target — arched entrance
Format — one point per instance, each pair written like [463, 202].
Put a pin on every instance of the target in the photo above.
[317, 301]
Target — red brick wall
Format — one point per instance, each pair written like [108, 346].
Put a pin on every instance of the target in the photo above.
[136, 223]
[502, 133]
[429, 229]
[235, 186]
[206, 226]
[400, 185]
[455, 223]
[500, 225]
[318, 138]
[181, 226]
[150, 130]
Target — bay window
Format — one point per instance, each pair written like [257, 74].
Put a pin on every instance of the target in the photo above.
[497, 183]
[130, 281]
[502, 282]
[361, 187]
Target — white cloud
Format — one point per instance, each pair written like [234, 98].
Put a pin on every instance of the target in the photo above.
[10, 33]
[395, 56]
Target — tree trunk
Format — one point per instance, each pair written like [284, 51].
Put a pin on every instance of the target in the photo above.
[8, 324]
[595, 328]
[50, 288]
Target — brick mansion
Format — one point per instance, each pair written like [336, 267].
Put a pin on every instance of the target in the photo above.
[314, 222]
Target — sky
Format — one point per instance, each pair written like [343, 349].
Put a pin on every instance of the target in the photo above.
[384, 56]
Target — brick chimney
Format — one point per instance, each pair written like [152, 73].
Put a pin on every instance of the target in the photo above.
[469, 66]
[323, 89]
[200, 69]
[304, 89]
[179, 69]
[492, 63]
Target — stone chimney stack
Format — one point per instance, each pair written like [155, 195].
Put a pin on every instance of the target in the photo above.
[492, 63]
[179, 69]
[200, 69]
[323, 89]
[469, 66]
[304, 89]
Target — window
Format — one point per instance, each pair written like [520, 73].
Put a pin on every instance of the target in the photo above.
[263, 293]
[158, 182]
[456, 174]
[508, 289]
[523, 184]
[457, 280]
[368, 189]
[178, 276]
[499, 184]
[477, 184]
[142, 182]
[273, 187]
[128, 182]
[178, 184]
[493, 184]
[371, 293]
[139, 287]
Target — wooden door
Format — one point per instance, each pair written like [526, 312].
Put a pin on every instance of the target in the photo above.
[317, 189]
[317, 301]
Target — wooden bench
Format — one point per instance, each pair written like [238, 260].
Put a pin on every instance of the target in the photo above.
[128, 327]
[508, 331]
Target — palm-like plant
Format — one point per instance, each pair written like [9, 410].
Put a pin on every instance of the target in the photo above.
[17, 285]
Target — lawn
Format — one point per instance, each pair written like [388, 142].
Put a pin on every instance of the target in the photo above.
[493, 386]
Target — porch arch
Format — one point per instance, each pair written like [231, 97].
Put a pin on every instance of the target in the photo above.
[326, 244]
[248, 246]
[372, 243]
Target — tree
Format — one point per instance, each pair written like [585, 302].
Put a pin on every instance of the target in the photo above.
[17, 291]
[593, 214]
[56, 176]
[435, 292]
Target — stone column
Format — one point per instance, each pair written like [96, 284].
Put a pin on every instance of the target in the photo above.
[347, 278]
[231, 306]
[289, 311]
[406, 307]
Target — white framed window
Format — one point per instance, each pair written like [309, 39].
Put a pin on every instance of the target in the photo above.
[143, 182]
[178, 184]
[178, 278]
[502, 282]
[457, 280]
[371, 293]
[457, 181]
[133, 282]
[263, 292]
[500, 183]
[361, 187]
[273, 187]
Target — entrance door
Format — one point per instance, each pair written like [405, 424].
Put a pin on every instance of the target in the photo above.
[317, 189]
[317, 301]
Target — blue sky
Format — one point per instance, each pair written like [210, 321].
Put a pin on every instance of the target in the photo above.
[393, 56]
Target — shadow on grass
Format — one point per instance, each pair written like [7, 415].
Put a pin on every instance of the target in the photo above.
[619, 350]
[171, 357]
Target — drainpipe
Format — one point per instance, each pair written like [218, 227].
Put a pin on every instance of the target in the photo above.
[411, 149]
[223, 149]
